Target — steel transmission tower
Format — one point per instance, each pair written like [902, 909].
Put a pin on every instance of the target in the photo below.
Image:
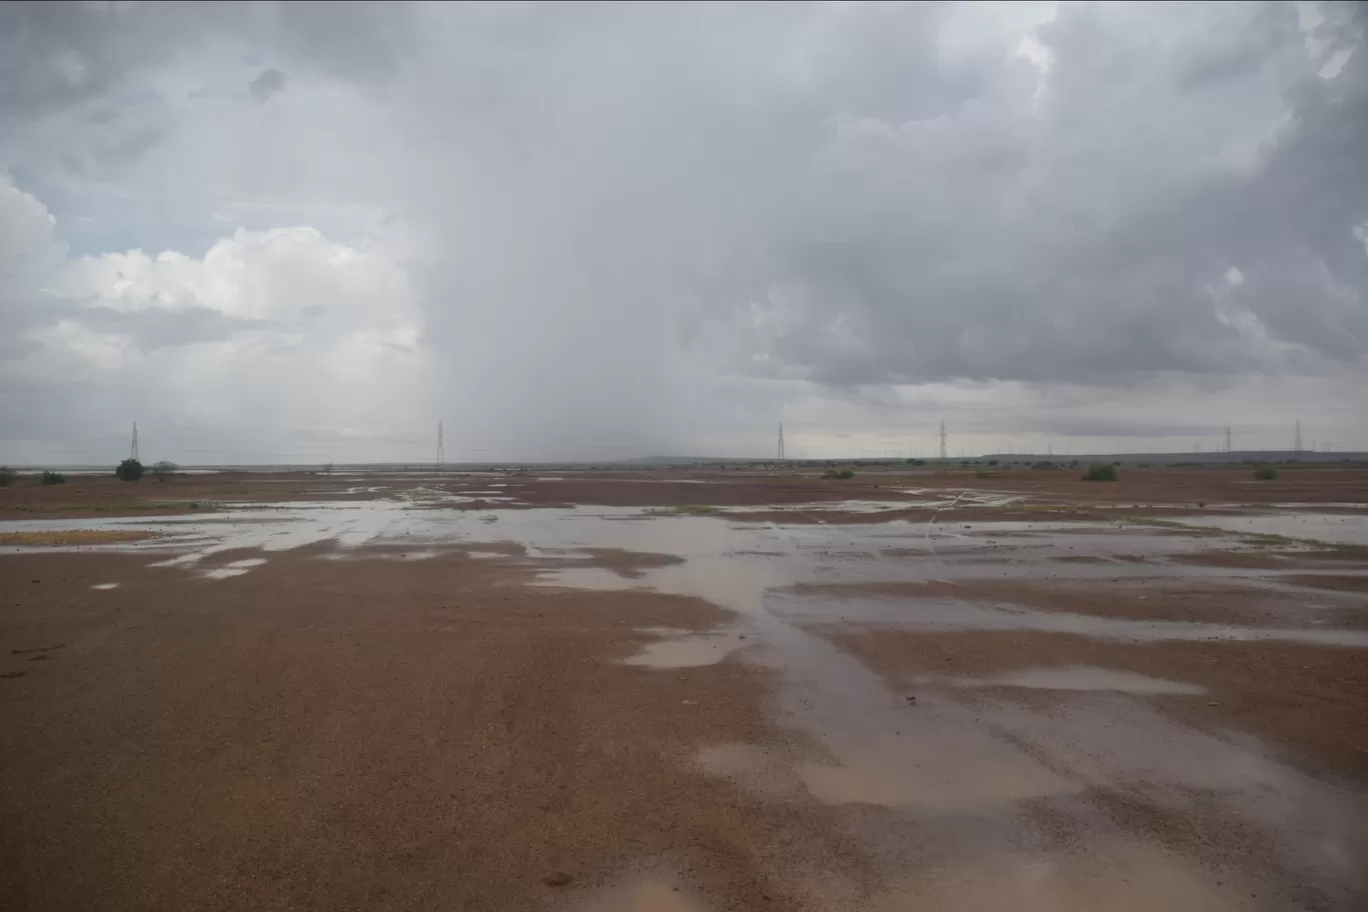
[441, 448]
[1228, 446]
[1297, 443]
[781, 441]
[133, 450]
[942, 438]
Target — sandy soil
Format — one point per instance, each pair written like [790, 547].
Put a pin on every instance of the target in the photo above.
[364, 733]
[442, 693]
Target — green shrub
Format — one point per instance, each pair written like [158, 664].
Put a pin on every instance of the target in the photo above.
[7, 476]
[1265, 473]
[52, 478]
[1100, 472]
[129, 470]
[839, 473]
[162, 469]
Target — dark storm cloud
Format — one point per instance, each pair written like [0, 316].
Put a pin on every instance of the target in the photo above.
[55, 55]
[726, 200]
[1089, 243]
[267, 84]
[852, 200]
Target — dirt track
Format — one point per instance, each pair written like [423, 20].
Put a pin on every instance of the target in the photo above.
[420, 695]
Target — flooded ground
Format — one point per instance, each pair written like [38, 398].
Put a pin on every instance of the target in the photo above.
[959, 711]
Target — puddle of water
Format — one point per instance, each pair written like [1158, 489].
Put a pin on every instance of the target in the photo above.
[1083, 677]
[963, 498]
[941, 614]
[1335, 528]
[683, 649]
[222, 573]
[828, 506]
[105, 586]
[1118, 876]
[235, 568]
[752, 766]
[953, 771]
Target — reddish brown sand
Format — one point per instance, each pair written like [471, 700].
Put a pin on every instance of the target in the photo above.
[358, 730]
[362, 734]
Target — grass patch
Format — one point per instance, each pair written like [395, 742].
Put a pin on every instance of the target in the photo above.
[73, 537]
[1100, 471]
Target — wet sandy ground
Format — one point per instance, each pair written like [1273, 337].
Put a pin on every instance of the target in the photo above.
[445, 693]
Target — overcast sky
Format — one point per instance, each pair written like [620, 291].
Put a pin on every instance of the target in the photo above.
[308, 232]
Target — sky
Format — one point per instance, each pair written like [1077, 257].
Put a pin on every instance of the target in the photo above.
[308, 232]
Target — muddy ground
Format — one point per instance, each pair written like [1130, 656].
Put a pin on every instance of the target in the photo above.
[658, 691]
[1023, 493]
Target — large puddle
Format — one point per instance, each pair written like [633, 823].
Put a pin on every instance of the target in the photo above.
[1332, 528]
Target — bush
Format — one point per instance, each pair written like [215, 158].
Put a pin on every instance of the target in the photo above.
[839, 473]
[52, 478]
[7, 476]
[1265, 473]
[1100, 472]
[162, 469]
[129, 470]
[992, 462]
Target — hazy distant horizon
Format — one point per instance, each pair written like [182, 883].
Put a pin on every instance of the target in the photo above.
[1216, 458]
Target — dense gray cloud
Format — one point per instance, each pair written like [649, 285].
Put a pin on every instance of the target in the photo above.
[267, 84]
[582, 228]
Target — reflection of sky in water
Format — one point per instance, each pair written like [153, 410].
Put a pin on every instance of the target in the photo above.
[963, 750]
